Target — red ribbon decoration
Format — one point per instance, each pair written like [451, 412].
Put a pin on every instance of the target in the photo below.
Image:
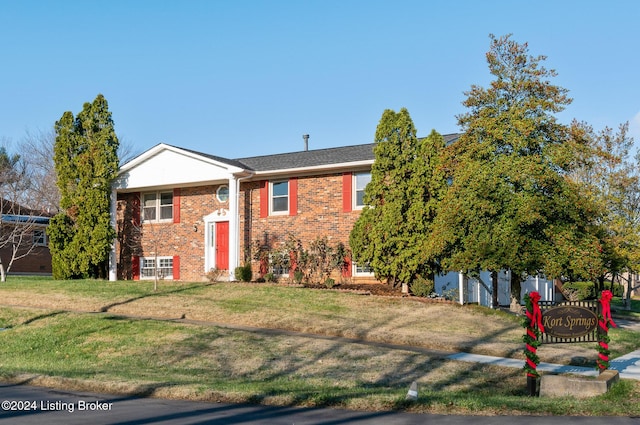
[603, 355]
[605, 301]
[535, 320]
[536, 316]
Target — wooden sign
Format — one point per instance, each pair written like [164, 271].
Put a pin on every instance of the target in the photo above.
[569, 321]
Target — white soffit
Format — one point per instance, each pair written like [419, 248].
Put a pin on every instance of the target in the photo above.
[165, 165]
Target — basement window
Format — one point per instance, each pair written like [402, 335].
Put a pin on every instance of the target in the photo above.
[162, 265]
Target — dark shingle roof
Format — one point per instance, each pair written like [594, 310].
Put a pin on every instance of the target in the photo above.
[306, 159]
[216, 158]
[317, 157]
[311, 158]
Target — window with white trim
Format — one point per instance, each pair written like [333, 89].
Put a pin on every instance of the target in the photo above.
[157, 206]
[149, 266]
[360, 181]
[279, 263]
[279, 197]
[362, 270]
[222, 194]
[39, 237]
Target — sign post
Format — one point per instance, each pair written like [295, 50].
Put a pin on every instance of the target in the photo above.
[569, 322]
[533, 323]
[604, 320]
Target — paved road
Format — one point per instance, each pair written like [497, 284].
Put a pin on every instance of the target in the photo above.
[35, 405]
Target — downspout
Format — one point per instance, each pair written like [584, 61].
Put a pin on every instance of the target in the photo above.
[113, 266]
[235, 232]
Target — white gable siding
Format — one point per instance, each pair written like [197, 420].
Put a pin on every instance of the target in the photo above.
[170, 168]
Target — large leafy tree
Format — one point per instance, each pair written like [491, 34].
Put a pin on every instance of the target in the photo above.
[509, 205]
[608, 175]
[86, 161]
[406, 185]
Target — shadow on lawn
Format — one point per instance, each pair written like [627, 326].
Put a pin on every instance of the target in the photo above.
[285, 372]
[41, 316]
[106, 308]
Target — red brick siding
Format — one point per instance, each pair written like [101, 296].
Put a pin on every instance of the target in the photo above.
[319, 212]
[37, 262]
[184, 239]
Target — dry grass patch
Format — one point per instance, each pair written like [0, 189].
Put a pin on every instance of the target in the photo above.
[382, 319]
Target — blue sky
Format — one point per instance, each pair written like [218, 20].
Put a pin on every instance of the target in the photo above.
[241, 78]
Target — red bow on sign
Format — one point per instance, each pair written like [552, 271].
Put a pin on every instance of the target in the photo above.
[536, 316]
[605, 300]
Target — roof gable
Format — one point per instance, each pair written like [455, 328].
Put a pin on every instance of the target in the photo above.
[169, 166]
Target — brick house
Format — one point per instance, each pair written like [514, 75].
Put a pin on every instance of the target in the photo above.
[184, 212]
[24, 238]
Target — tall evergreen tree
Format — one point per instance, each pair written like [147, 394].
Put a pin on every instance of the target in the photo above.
[509, 205]
[401, 201]
[86, 162]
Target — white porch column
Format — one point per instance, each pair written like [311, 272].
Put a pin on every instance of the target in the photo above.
[461, 288]
[234, 247]
[113, 266]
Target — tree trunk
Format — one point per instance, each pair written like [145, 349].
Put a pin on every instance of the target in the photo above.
[600, 283]
[516, 288]
[494, 289]
[630, 287]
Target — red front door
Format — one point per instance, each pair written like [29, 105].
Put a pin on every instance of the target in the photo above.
[222, 245]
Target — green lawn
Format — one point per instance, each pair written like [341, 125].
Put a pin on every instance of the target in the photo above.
[618, 307]
[109, 352]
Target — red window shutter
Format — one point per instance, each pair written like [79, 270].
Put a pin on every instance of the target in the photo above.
[293, 196]
[176, 205]
[346, 269]
[264, 199]
[135, 267]
[135, 208]
[347, 195]
[176, 267]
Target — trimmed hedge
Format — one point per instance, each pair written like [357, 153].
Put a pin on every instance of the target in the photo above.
[584, 290]
[587, 290]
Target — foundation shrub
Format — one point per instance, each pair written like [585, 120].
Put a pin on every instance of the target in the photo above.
[243, 273]
[314, 262]
[421, 287]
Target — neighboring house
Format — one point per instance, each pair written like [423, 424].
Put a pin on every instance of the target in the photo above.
[184, 213]
[24, 244]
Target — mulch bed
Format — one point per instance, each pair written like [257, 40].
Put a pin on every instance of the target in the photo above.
[368, 288]
[379, 289]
